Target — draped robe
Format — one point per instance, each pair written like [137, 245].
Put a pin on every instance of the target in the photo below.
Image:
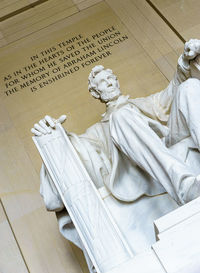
[134, 198]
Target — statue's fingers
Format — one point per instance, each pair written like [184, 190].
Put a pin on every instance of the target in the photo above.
[190, 46]
[40, 129]
[35, 132]
[191, 53]
[197, 46]
[186, 54]
[50, 121]
[44, 126]
[62, 118]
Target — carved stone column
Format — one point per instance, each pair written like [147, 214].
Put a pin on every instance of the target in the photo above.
[101, 237]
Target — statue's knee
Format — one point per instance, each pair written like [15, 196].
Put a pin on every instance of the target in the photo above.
[190, 84]
[189, 88]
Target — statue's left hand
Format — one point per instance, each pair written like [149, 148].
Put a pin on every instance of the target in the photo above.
[191, 49]
[45, 125]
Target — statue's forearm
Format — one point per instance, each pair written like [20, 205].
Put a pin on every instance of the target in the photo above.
[183, 71]
[160, 102]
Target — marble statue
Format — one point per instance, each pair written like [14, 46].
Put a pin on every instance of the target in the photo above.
[143, 156]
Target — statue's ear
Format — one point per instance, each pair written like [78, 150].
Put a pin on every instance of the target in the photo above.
[95, 94]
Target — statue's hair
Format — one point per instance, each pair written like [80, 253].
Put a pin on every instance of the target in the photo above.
[97, 69]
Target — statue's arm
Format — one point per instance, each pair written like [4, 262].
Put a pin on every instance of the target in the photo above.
[183, 72]
[191, 51]
[157, 106]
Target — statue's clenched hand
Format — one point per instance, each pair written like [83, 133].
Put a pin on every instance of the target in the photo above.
[191, 49]
[45, 125]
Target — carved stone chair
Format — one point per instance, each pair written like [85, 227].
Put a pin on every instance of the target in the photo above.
[177, 249]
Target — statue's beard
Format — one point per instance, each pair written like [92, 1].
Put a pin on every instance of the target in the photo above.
[109, 96]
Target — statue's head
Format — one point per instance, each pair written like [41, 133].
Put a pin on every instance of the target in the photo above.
[103, 84]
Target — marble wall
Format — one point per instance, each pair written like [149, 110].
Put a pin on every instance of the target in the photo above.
[47, 50]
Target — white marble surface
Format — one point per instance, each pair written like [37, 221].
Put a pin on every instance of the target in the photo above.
[140, 149]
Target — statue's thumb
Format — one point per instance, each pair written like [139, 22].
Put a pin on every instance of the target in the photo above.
[62, 118]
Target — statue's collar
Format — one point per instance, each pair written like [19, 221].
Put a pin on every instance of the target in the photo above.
[113, 105]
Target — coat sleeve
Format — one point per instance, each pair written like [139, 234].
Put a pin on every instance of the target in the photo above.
[157, 106]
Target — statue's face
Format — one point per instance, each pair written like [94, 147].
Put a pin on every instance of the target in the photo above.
[107, 86]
